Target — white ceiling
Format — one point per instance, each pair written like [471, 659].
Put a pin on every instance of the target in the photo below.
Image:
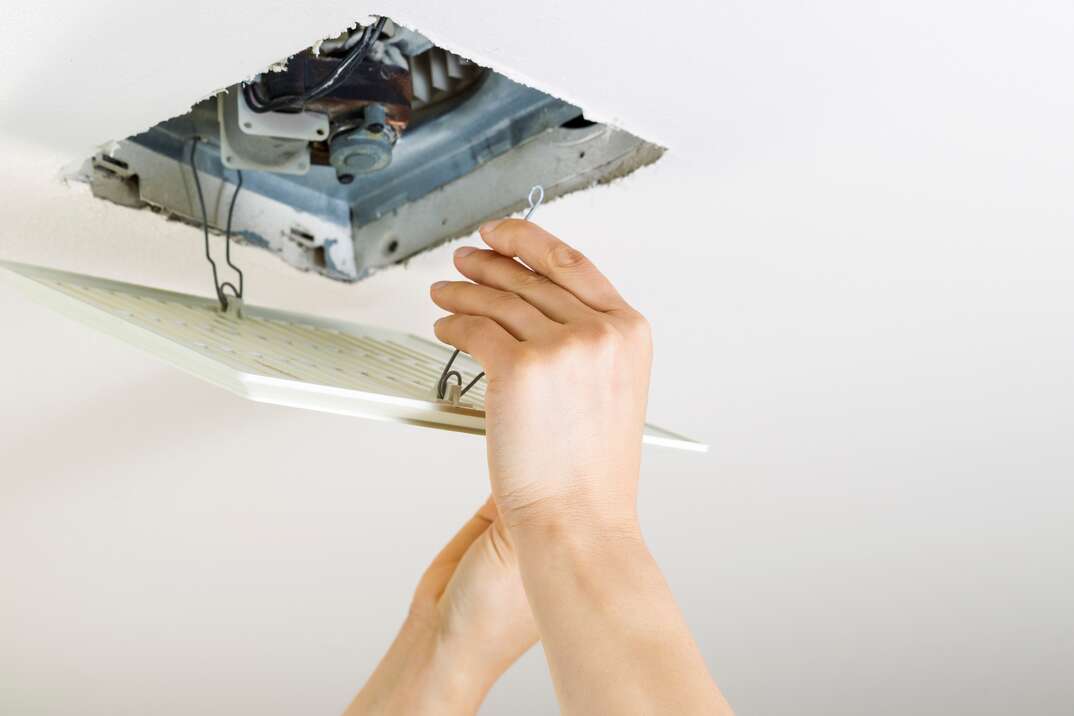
[856, 256]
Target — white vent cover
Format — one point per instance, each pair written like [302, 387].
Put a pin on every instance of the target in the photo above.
[277, 357]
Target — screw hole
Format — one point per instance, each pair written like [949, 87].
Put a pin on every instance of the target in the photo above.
[248, 125]
[581, 155]
[392, 246]
[320, 132]
[229, 159]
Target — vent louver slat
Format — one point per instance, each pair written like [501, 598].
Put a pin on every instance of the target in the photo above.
[436, 74]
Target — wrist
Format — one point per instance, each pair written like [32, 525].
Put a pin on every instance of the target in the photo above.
[579, 537]
[575, 517]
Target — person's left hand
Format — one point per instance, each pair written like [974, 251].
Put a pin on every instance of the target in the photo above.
[468, 622]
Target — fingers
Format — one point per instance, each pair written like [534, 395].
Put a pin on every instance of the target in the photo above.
[492, 269]
[480, 336]
[550, 257]
[439, 572]
[456, 548]
[521, 319]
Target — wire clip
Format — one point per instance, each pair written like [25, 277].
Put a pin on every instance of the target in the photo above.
[236, 291]
[453, 392]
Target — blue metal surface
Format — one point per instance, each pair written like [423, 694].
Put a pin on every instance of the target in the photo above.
[497, 116]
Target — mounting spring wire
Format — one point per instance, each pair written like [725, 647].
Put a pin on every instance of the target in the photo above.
[442, 384]
[220, 294]
[536, 198]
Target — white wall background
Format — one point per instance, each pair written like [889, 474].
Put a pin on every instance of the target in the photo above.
[857, 259]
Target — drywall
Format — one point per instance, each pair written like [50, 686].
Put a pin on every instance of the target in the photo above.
[856, 256]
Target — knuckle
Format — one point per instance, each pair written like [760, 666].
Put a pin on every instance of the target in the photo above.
[529, 280]
[602, 334]
[506, 300]
[476, 324]
[578, 345]
[562, 256]
[596, 341]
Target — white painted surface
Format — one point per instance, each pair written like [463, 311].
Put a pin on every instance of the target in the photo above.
[862, 234]
[279, 357]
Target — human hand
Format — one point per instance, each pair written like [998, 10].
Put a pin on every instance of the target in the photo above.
[468, 622]
[567, 362]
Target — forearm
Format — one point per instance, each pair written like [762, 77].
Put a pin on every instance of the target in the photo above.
[613, 635]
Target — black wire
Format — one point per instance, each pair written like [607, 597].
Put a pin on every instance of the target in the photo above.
[342, 71]
[219, 287]
[205, 225]
[352, 60]
[227, 235]
[441, 385]
[472, 383]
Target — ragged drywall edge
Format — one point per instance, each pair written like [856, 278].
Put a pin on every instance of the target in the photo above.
[76, 167]
[593, 112]
[263, 61]
[329, 29]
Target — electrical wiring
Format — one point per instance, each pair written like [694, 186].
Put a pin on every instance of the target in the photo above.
[227, 233]
[342, 71]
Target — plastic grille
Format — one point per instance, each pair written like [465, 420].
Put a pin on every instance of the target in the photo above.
[278, 347]
[278, 357]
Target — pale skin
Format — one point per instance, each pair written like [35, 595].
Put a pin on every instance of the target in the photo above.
[556, 553]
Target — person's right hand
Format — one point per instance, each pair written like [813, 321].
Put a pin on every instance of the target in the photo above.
[568, 369]
[567, 362]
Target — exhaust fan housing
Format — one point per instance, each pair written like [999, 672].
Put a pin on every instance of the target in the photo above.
[350, 166]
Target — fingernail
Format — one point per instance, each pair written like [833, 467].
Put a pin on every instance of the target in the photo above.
[438, 285]
[464, 251]
[490, 226]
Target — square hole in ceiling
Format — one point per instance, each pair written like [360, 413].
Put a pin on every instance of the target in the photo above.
[362, 151]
